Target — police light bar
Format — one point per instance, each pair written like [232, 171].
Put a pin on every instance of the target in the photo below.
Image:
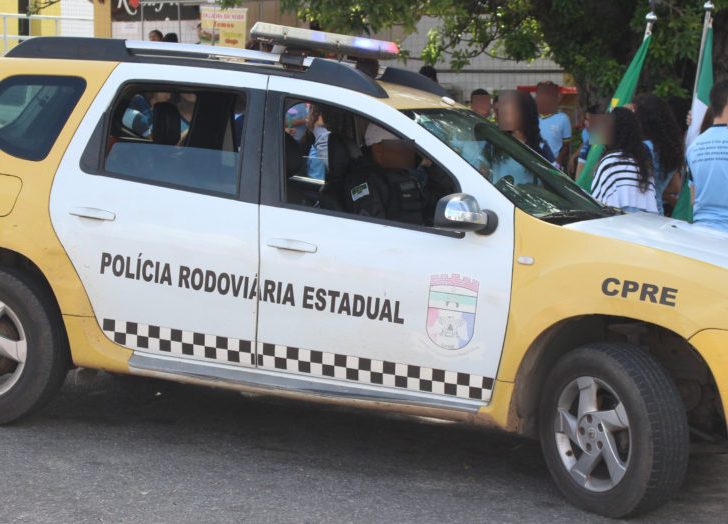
[299, 38]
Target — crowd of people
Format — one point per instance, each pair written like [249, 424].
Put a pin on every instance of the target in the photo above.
[645, 163]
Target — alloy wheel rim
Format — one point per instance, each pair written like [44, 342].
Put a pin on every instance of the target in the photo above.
[593, 434]
[13, 348]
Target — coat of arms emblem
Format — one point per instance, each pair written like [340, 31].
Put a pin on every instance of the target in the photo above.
[451, 310]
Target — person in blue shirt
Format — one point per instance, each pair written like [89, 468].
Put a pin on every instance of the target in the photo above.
[555, 125]
[708, 163]
[296, 118]
[664, 140]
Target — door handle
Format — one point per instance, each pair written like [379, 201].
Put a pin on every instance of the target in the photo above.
[292, 245]
[92, 213]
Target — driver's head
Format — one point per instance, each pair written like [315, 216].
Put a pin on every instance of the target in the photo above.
[388, 151]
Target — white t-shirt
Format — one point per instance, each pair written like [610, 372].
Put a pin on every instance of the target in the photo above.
[617, 183]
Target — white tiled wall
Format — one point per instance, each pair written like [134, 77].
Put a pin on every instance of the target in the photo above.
[484, 71]
[78, 8]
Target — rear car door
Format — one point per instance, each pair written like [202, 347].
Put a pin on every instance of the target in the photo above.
[155, 203]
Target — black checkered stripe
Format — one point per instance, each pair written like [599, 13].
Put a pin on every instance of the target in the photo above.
[179, 342]
[303, 361]
[371, 371]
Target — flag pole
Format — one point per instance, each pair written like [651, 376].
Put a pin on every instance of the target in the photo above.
[708, 7]
[651, 18]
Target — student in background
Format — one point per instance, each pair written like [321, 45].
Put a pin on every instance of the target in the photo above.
[555, 125]
[171, 37]
[480, 103]
[623, 177]
[155, 35]
[663, 137]
[708, 163]
[429, 71]
[517, 115]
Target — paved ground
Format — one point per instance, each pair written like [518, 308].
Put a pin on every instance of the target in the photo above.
[150, 452]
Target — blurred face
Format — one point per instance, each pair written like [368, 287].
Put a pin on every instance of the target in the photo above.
[547, 100]
[508, 118]
[481, 105]
[602, 129]
[394, 154]
[155, 37]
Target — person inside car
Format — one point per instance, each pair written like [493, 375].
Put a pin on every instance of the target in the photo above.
[388, 183]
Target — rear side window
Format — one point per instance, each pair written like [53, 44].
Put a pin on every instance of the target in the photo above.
[177, 136]
[33, 111]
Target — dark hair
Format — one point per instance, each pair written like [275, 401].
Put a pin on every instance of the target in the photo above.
[595, 109]
[658, 125]
[429, 71]
[479, 92]
[707, 120]
[627, 140]
[171, 37]
[156, 32]
[719, 97]
[529, 121]
[679, 107]
[547, 85]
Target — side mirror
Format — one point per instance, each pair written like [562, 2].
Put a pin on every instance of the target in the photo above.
[461, 212]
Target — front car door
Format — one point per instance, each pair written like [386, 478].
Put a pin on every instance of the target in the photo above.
[155, 203]
[374, 307]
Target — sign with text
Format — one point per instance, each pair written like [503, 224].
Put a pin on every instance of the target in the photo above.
[223, 27]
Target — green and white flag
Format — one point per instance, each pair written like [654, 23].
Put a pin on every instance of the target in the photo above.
[623, 95]
[701, 100]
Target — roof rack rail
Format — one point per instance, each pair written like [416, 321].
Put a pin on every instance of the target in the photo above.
[320, 70]
[70, 48]
[141, 47]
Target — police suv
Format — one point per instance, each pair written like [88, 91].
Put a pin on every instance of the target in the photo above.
[187, 213]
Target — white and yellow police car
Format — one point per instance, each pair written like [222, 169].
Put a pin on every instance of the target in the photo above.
[161, 215]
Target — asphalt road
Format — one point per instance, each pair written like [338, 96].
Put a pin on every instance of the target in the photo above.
[114, 451]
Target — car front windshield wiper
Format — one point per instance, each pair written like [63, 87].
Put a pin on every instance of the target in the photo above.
[576, 215]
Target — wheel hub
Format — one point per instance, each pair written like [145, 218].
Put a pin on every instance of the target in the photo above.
[592, 434]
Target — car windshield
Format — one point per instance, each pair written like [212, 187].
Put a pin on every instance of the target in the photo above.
[523, 176]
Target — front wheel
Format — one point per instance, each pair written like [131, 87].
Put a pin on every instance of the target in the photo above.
[613, 429]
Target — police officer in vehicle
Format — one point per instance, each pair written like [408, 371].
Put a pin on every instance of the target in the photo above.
[387, 182]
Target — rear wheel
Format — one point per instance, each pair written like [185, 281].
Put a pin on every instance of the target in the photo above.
[33, 362]
[613, 429]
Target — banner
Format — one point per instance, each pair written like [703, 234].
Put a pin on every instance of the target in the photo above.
[623, 95]
[701, 100]
[223, 27]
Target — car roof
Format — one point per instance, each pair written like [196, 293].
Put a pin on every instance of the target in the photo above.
[397, 87]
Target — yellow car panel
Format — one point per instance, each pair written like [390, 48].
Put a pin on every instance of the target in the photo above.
[28, 230]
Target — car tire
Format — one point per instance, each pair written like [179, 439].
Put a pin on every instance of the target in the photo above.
[613, 430]
[30, 331]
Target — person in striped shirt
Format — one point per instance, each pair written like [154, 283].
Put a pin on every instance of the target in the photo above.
[623, 177]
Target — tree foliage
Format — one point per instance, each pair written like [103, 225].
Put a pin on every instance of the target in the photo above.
[593, 40]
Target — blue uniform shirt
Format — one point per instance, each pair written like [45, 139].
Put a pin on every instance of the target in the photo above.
[555, 130]
[708, 162]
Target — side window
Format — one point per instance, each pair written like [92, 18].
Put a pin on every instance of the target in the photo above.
[33, 111]
[338, 160]
[187, 138]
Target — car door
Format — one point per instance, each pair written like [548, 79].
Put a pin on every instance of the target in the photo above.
[380, 308]
[164, 235]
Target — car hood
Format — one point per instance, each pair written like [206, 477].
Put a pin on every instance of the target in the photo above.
[674, 236]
